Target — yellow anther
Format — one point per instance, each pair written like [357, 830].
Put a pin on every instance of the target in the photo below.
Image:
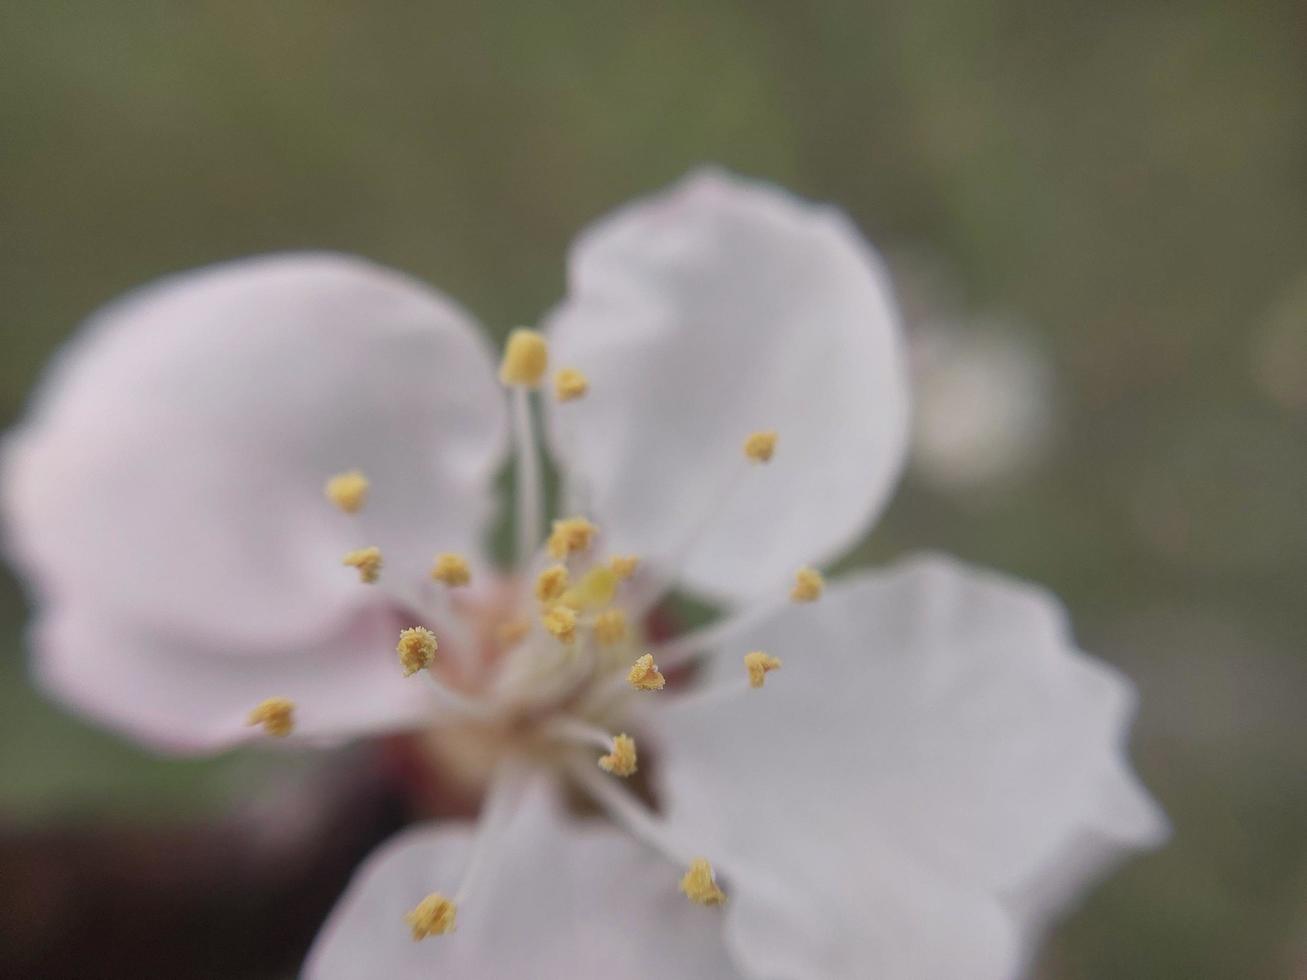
[759, 665]
[570, 384]
[610, 627]
[416, 649]
[367, 561]
[620, 761]
[808, 585]
[699, 884]
[551, 583]
[276, 715]
[348, 491]
[452, 569]
[561, 622]
[760, 446]
[623, 566]
[570, 535]
[596, 588]
[644, 675]
[433, 916]
[526, 356]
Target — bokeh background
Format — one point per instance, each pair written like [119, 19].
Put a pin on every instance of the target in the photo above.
[1097, 218]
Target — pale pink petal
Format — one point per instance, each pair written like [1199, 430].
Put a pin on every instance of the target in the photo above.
[932, 711]
[1124, 819]
[176, 694]
[171, 470]
[702, 314]
[798, 914]
[560, 900]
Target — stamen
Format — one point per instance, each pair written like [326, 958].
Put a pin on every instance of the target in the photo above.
[644, 675]
[561, 622]
[570, 535]
[551, 583]
[699, 884]
[348, 491]
[496, 814]
[760, 446]
[621, 760]
[610, 627]
[416, 649]
[452, 569]
[808, 585]
[714, 637]
[367, 561]
[529, 484]
[276, 715]
[433, 916]
[759, 665]
[570, 384]
[628, 811]
[623, 566]
[526, 357]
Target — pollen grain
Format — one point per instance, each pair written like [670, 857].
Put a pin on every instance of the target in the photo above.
[276, 715]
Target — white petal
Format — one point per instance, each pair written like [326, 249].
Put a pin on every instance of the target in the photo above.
[560, 900]
[1124, 819]
[933, 712]
[716, 309]
[182, 696]
[171, 472]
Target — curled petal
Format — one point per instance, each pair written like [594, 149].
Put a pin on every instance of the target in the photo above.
[717, 309]
[169, 478]
[937, 733]
[172, 467]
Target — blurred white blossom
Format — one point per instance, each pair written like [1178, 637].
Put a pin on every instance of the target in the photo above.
[984, 410]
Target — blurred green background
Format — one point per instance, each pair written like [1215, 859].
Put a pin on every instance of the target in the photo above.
[1128, 181]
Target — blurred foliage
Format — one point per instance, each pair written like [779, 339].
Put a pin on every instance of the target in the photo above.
[1130, 178]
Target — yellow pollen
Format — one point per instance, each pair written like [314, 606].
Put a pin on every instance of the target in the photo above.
[596, 589]
[760, 446]
[644, 675]
[551, 583]
[700, 886]
[570, 384]
[610, 627]
[759, 665]
[276, 715]
[623, 566]
[526, 356]
[416, 649]
[513, 632]
[367, 561]
[433, 916]
[808, 585]
[348, 491]
[561, 622]
[620, 761]
[570, 535]
[452, 569]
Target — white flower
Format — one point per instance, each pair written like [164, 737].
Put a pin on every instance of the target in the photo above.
[984, 406]
[899, 775]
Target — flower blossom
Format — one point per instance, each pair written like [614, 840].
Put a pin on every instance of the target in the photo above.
[250, 501]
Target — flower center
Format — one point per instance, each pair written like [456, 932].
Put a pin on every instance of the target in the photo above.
[549, 667]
